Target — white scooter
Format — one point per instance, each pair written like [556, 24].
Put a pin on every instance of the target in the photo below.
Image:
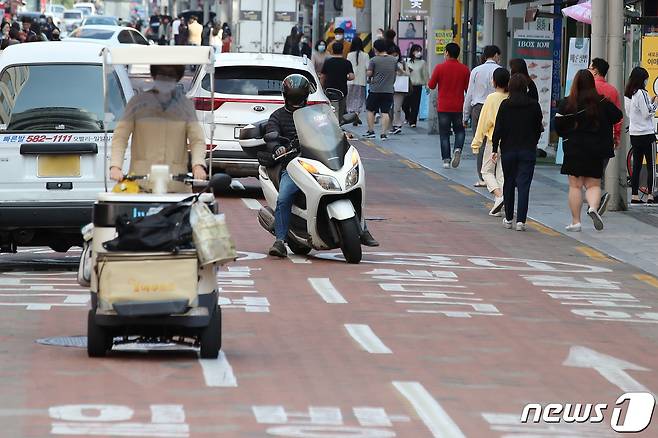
[326, 212]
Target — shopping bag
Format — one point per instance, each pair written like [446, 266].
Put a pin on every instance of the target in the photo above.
[211, 236]
[402, 84]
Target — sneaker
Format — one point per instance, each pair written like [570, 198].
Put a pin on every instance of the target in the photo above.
[596, 218]
[383, 137]
[457, 158]
[367, 239]
[396, 130]
[413, 125]
[480, 183]
[498, 205]
[520, 226]
[507, 224]
[574, 228]
[446, 164]
[603, 206]
[499, 214]
[279, 249]
[369, 134]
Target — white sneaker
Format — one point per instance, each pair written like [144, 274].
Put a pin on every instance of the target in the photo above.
[507, 224]
[520, 226]
[574, 228]
[498, 205]
[499, 214]
[596, 218]
[446, 164]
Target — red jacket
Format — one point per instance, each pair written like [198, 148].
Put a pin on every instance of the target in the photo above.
[452, 78]
[610, 92]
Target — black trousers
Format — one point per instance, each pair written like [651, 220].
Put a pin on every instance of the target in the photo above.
[642, 149]
[411, 104]
[518, 169]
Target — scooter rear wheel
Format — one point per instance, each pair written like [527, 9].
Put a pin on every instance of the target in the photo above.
[97, 337]
[350, 239]
[210, 337]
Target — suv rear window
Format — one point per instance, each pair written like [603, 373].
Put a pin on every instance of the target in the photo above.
[252, 81]
[95, 34]
[29, 102]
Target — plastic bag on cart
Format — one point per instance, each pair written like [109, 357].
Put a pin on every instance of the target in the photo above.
[85, 266]
[211, 236]
[168, 230]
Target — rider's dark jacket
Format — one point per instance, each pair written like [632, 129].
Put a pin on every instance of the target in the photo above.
[282, 122]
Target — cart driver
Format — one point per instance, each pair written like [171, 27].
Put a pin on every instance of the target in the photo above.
[163, 125]
[296, 89]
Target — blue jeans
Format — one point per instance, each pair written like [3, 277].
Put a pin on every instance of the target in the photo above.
[287, 191]
[518, 168]
[445, 122]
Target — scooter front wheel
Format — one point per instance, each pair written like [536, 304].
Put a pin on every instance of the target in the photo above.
[97, 337]
[349, 231]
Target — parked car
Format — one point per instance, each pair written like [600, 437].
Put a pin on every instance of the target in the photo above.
[51, 140]
[87, 8]
[104, 20]
[107, 35]
[247, 90]
[72, 19]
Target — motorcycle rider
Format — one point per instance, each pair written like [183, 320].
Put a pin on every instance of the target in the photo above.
[296, 89]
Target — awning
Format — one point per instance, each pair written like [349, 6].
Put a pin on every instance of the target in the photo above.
[581, 12]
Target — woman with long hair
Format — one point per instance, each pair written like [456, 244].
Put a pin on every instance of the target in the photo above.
[401, 90]
[641, 110]
[517, 130]
[319, 55]
[356, 89]
[418, 75]
[585, 120]
[291, 45]
[518, 65]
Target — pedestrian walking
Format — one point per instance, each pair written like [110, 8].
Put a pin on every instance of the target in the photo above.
[585, 120]
[518, 65]
[356, 89]
[194, 31]
[451, 77]
[183, 33]
[382, 72]
[401, 89]
[492, 170]
[227, 38]
[339, 37]
[319, 55]
[305, 48]
[641, 111]
[175, 28]
[516, 134]
[599, 68]
[291, 45]
[216, 39]
[164, 31]
[417, 68]
[479, 87]
[336, 71]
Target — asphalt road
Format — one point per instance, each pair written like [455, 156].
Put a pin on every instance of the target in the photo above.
[448, 329]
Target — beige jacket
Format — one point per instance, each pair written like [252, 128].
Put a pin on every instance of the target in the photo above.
[195, 30]
[159, 136]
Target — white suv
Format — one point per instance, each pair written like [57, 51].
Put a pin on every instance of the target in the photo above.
[247, 90]
[51, 140]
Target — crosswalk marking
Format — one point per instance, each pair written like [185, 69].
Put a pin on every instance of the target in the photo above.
[367, 339]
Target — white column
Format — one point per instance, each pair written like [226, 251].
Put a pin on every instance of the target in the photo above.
[377, 15]
[488, 31]
[599, 32]
[441, 18]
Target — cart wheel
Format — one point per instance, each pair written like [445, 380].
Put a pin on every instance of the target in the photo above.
[97, 343]
[211, 336]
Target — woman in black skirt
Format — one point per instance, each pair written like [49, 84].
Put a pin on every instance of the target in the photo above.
[585, 120]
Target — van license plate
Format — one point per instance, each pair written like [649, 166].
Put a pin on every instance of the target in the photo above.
[49, 166]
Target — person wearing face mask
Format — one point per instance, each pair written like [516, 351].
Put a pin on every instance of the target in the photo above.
[319, 55]
[418, 75]
[163, 126]
[339, 37]
[305, 47]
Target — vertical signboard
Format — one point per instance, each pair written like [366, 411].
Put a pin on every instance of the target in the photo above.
[536, 47]
[650, 62]
[578, 59]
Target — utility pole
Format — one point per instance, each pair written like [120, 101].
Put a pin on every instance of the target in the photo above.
[440, 19]
[599, 31]
[488, 32]
[474, 34]
[615, 40]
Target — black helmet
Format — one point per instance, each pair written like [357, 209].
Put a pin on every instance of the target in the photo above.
[296, 89]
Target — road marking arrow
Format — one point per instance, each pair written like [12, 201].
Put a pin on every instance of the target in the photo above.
[611, 368]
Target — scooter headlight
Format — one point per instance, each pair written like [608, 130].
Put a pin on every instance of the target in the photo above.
[352, 177]
[327, 182]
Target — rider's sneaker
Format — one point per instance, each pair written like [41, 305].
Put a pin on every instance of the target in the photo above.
[278, 249]
[367, 239]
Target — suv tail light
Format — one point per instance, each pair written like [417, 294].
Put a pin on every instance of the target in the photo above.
[317, 102]
[206, 103]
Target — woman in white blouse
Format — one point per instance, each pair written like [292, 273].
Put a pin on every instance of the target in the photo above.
[641, 110]
[356, 89]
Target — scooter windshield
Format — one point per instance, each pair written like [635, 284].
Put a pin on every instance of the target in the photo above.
[320, 136]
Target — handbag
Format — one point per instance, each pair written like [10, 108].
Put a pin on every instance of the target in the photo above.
[401, 84]
[211, 236]
[168, 230]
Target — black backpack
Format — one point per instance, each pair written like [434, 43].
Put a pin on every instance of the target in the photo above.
[168, 230]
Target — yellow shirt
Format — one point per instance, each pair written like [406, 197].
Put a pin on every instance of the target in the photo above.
[487, 121]
[195, 30]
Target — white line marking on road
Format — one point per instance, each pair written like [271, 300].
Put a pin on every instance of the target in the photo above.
[299, 259]
[167, 414]
[368, 340]
[327, 291]
[610, 368]
[375, 417]
[429, 410]
[252, 203]
[218, 372]
[77, 299]
[236, 185]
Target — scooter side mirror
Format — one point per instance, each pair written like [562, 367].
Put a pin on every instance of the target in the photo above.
[349, 118]
[220, 182]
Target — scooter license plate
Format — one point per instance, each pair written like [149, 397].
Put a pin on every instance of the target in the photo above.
[58, 166]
